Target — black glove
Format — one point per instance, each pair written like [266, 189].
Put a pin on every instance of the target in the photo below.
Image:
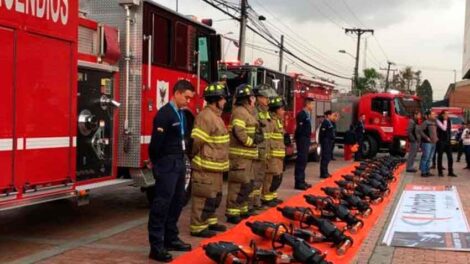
[259, 136]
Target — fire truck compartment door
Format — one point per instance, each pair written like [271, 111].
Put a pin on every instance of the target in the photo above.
[6, 107]
[95, 124]
[44, 92]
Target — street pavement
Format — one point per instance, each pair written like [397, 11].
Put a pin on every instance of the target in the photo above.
[113, 227]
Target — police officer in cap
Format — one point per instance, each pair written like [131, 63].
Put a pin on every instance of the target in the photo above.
[167, 153]
[303, 132]
[327, 136]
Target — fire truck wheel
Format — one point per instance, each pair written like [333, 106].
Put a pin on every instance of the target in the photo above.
[370, 147]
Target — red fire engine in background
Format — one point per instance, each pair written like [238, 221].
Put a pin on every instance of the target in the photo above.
[64, 75]
[387, 117]
[294, 88]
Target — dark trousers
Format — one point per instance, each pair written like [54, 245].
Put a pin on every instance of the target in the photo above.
[303, 145]
[460, 150]
[444, 147]
[358, 154]
[169, 200]
[325, 158]
[466, 149]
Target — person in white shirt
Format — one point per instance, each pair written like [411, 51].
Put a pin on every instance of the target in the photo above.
[466, 144]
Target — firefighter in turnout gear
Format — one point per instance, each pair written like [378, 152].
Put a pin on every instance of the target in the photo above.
[276, 154]
[262, 92]
[209, 161]
[243, 151]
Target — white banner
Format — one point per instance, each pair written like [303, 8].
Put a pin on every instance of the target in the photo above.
[429, 217]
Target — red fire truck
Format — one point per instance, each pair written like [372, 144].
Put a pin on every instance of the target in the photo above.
[67, 69]
[292, 87]
[387, 117]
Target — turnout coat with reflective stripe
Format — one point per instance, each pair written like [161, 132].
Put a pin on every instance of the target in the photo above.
[243, 126]
[211, 141]
[264, 119]
[277, 150]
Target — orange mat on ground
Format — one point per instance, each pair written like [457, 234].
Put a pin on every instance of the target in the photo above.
[242, 235]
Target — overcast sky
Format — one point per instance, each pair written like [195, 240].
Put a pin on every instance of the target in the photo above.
[425, 34]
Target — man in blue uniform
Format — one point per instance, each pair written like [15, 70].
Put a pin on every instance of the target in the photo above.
[327, 135]
[167, 153]
[302, 136]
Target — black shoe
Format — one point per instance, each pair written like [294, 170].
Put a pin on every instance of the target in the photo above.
[301, 187]
[411, 170]
[425, 175]
[271, 203]
[467, 168]
[333, 159]
[433, 167]
[452, 175]
[440, 174]
[234, 219]
[278, 201]
[177, 245]
[218, 228]
[160, 254]
[206, 233]
[430, 174]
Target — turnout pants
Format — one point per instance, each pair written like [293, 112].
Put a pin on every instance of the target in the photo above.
[271, 183]
[259, 169]
[206, 195]
[443, 147]
[169, 173]
[240, 185]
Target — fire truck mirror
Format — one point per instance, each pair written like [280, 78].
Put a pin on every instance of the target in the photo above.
[106, 102]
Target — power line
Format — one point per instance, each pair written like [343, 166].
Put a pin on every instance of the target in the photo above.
[275, 42]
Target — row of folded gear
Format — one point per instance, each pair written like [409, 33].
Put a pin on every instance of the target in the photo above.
[329, 219]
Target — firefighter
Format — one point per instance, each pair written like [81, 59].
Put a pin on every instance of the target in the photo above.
[167, 153]
[303, 133]
[243, 151]
[262, 92]
[359, 131]
[209, 162]
[277, 152]
[327, 135]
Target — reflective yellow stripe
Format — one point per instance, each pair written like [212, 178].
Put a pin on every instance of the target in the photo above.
[275, 195]
[238, 122]
[279, 124]
[212, 165]
[244, 209]
[279, 136]
[199, 133]
[278, 153]
[233, 212]
[268, 197]
[249, 142]
[244, 152]
[268, 135]
[212, 221]
[197, 228]
[250, 129]
[264, 115]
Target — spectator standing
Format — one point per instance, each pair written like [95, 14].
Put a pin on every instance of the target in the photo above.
[326, 140]
[443, 145]
[466, 144]
[428, 136]
[414, 141]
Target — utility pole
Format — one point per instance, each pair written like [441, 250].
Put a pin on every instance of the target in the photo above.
[387, 82]
[359, 32]
[364, 63]
[455, 76]
[281, 53]
[242, 41]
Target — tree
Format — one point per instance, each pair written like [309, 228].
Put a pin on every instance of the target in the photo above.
[407, 76]
[424, 91]
[368, 82]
